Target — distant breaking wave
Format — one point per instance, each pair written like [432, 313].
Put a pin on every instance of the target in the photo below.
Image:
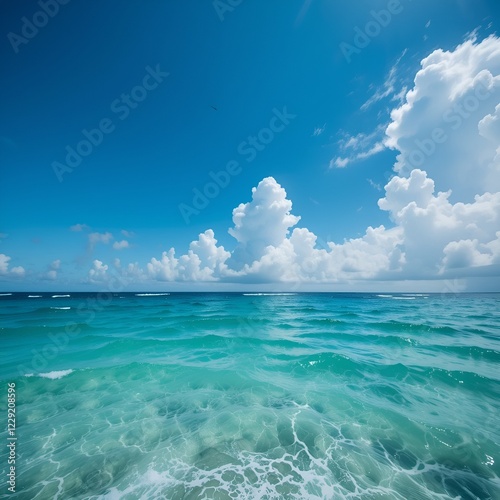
[150, 294]
[405, 296]
[57, 296]
[267, 294]
[33, 296]
[52, 375]
[65, 308]
[4, 294]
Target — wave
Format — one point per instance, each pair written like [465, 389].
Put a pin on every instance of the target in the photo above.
[402, 326]
[150, 294]
[323, 321]
[64, 308]
[268, 294]
[52, 375]
[34, 296]
[403, 296]
[4, 294]
[60, 296]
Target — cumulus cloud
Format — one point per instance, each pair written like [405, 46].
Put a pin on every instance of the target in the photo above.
[448, 124]
[98, 272]
[439, 235]
[165, 268]
[18, 271]
[267, 252]
[52, 272]
[445, 216]
[489, 128]
[7, 271]
[205, 261]
[298, 258]
[431, 237]
[95, 238]
[466, 253]
[211, 256]
[264, 221]
[4, 264]
[120, 245]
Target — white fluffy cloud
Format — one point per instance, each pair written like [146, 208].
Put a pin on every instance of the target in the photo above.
[439, 235]
[489, 128]
[106, 238]
[98, 272]
[448, 125]
[430, 238]
[6, 271]
[4, 264]
[444, 203]
[262, 222]
[120, 245]
[54, 267]
[205, 261]
[211, 256]
[99, 238]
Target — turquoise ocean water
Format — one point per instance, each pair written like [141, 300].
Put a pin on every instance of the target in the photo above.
[252, 396]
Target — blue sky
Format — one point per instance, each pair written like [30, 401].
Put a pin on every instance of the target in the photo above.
[251, 62]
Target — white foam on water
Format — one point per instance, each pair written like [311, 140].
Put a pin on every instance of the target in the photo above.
[296, 470]
[404, 298]
[150, 294]
[65, 308]
[59, 296]
[33, 296]
[4, 294]
[54, 375]
[385, 296]
[300, 458]
[267, 294]
[248, 477]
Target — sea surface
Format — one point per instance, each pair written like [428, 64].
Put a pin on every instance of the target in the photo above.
[252, 396]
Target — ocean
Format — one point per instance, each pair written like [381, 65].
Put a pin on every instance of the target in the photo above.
[251, 395]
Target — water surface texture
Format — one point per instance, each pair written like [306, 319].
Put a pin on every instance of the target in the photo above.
[253, 396]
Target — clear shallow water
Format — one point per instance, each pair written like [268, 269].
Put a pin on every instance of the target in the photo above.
[191, 396]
